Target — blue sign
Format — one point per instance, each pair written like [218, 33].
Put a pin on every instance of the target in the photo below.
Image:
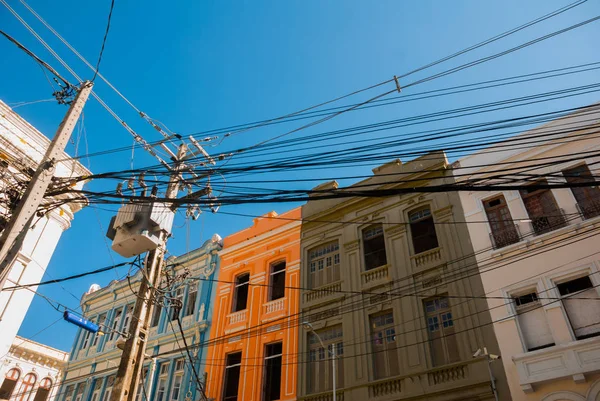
[81, 322]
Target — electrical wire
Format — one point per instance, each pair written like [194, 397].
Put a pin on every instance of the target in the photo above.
[110, 12]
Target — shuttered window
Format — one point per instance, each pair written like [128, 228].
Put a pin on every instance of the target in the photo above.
[532, 321]
[584, 314]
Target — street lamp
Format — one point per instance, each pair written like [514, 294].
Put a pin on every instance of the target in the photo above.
[310, 327]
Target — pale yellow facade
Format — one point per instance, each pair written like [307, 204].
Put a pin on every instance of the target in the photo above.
[540, 265]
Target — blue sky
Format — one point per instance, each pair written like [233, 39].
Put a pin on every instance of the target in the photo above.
[200, 65]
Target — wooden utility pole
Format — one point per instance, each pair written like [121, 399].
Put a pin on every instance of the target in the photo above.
[132, 359]
[13, 235]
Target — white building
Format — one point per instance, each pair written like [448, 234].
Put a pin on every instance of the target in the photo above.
[538, 252]
[31, 371]
[21, 149]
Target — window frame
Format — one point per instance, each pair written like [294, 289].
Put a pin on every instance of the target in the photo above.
[266, 393]
[382, 237]
[190, 307]
[231, 365]
[272, 275]
[412, 223]
[237, 284]
[316, 257]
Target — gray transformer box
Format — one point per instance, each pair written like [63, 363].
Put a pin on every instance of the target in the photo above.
[137, 226]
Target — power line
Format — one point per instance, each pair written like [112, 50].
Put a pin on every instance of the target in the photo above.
[112, 5]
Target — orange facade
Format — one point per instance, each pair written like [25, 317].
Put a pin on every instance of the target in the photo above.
[253, 347]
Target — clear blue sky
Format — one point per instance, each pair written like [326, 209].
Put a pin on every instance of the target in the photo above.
[199, 65]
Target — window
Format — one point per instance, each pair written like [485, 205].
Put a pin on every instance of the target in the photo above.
[109, 386]
[277, 287]
[177, 303]
[86, 339]
[115, 324]
[101, 324]
[324, 264]
[9, 383]
[80, 391]
[531, 317]
[190, 308]
[385, 356]
[179, 364]
[176, 387]
[26, 387]
[43, 390]
[588, 198]
[374, 247]
[504, 231]
[156, 312]
[69, 392]
[272, 379]
[233, 364]
[422, 230]
[440, 327]
[584, 314]
[542, 209]
[161, 389]
[96, 390]
[240, 299]
[127, 319]
[320, 370]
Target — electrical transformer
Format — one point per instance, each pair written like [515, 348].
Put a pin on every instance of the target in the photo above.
[137, 226]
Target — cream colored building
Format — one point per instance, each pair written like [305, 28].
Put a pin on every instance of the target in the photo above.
[391, 281]
[31, 371]
[21, 149]
[538, 251]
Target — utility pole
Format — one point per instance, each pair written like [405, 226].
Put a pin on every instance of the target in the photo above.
[132, 359]
[13, 235]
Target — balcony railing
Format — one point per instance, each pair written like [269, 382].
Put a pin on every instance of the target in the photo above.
[385, 387]
[380, 273]
[427, 258]
[237, 317]
[546, 224]
[274, 306]
[448, 374]
[323, 292]
[506, 236]
[589, 208]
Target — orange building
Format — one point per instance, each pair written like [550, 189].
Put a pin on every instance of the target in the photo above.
[253, 348]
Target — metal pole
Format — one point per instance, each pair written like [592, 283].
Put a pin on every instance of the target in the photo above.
[14, 234]
[130, 367]
[492, 378]
[334, 371]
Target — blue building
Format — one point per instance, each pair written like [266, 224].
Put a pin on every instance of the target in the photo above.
[167, 373]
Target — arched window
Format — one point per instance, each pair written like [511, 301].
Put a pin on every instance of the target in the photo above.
[26, 387]
[9, 383]
[43, 391]
[422, 229]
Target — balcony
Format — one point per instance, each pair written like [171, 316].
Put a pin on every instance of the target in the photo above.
[448, 374]
[375, 275]
[274, 306]
[506, 236]
[385, 387]
[323, 292]
[589, 208]
[572, 360]
[237, 317]
[545, 224]
[427, 259]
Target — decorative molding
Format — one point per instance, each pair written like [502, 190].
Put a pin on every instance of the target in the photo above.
[351, 246]
[395, 230]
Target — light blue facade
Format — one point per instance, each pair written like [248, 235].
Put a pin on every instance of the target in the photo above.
[168, 374]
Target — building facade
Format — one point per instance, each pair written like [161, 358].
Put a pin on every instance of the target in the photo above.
[31, 371]
[538, 253]
[21, 150]
[391, 282]
[253, 351]
[167, 373]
